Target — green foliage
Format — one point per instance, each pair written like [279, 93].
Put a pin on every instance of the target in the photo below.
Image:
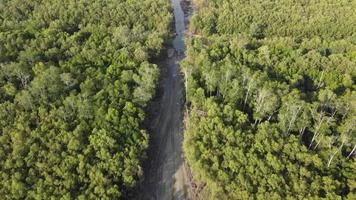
[271, 89]
[75, 78]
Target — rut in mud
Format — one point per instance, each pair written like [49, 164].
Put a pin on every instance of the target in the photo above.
[164, 171]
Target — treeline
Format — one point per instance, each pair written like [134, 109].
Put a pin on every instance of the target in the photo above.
[75, 78]
[272, 101]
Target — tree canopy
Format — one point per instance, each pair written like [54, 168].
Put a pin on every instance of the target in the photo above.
[75, 77]
[271, 94]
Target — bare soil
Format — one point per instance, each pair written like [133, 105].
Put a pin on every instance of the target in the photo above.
[165, 173]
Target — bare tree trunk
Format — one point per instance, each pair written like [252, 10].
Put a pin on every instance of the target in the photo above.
[334, 154]
[294, 117]
[317, 144]
[301, 132]
[247, 93]
[255, 122]
[316, 134]
[320, 80]
[243, 84]
[352, 152]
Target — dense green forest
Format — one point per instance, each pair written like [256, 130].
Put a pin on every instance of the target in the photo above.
[75, 77]
[271, 97]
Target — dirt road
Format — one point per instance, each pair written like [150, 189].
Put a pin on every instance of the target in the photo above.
[164, 176]
[164, 172]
